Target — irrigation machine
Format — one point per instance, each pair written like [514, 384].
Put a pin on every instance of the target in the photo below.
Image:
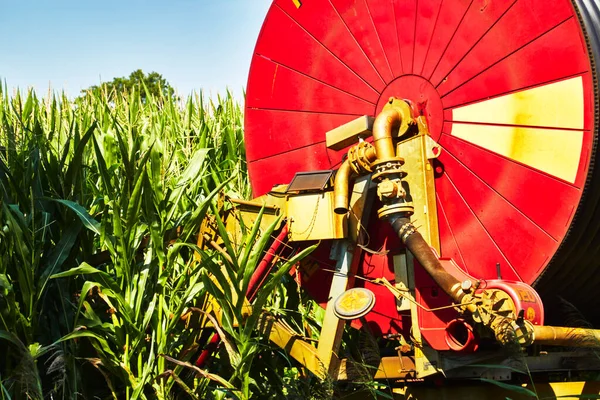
[443, 155]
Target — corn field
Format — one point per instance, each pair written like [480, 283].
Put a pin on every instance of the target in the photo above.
[101, 199]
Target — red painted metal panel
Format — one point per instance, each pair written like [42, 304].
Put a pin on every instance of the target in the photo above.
[324, 23]
[358, 19]
[448, 22]
[479, 251]
[481, 16]
[316, 273]
[280, 169]
[309, 57]
[547, 59]
[427, 18]
[284, 131]
[448, 244]
[432, 324]
[405, 12]
[381, 238]
[523, 24]
[277, 87]
[387, 28]
[514, 235]
[534, 193]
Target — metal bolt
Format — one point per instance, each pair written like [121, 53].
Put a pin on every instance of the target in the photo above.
[466, 286]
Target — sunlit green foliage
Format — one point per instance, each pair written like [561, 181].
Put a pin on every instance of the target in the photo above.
[152, 84]
[93, 276]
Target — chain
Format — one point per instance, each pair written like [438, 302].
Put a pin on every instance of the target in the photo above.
[311, 224]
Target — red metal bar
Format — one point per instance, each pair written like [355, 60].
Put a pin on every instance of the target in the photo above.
[207, 352]
[256, 281]
[263, 267]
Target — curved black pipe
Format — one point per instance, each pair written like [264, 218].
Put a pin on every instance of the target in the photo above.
[427, 258]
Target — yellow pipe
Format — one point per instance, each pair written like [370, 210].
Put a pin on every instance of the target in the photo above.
[563, 336]
[388, 119]
[340, 188]
[391, 117]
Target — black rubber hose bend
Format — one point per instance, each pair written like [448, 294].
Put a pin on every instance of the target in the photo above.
[422, 252]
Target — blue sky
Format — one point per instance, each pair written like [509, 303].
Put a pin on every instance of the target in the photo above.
[73, 44]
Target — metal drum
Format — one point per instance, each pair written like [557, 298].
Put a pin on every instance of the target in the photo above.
[509, 88]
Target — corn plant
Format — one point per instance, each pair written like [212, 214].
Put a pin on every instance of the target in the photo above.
[98, 180]
[227, 279]
[39, 236]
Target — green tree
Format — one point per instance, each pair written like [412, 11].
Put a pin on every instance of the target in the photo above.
[154, 82]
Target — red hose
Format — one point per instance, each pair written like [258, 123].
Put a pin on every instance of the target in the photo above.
[258, 277]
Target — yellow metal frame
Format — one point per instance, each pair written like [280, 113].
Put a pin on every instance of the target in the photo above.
[418, 152]
[310, 217]
[333, 327]
[475, 391]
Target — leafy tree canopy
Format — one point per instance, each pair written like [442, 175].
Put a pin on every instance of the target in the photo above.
[155, 84]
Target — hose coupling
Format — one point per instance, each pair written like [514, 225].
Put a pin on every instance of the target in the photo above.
[406, 230]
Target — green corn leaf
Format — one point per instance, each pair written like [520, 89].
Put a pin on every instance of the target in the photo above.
[258, 252]
[193, 223]
[268, 288]
[225, 238]
[194, 167]
[139, 292]
[84, 269]
[77, 157]
[5, 394]
[152, 215]
[225, 283]
[146, 370]
[149, 312]
[58, 256]
[106, 283]
[106, 293]
[81, 213]
[102, 169]
[11, 186]
[12, 339]
[23, 246]
[135, 204]
[5, 283]
[124, 153]
[97, 325]
[83, 332]
[228, 315]
[252, 238]
[26, 112]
